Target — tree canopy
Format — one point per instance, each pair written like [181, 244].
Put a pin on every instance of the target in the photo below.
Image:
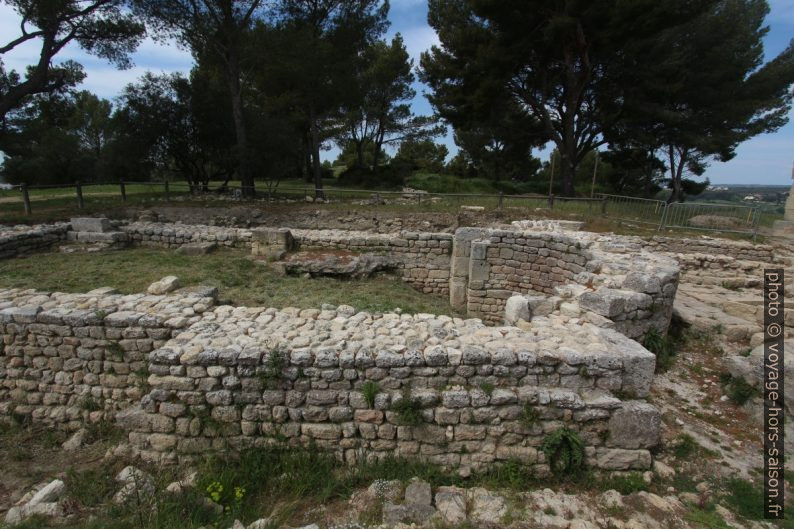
[103, 28]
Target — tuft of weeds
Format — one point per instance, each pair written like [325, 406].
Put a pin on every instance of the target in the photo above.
[487, 388]
[529, 415]
[88, 488]
[370, 390]
[408, 410]
[706, 518]
[738, 390]
[513, 474]
[89, 404]
[685, 447]
[272, 371]
[564, 451]
[626, 483]
[663, 347]
[745, 498]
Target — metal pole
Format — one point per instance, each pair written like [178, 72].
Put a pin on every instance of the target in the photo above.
[79, 190]
[26, 199]
[595, 171]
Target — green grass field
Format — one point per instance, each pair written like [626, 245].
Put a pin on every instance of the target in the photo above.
[240, 280]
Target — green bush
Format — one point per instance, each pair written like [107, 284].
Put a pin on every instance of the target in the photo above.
[685, 447]
[738, 390]
[626, 483]
[564, 451]
[386, 177]
[370, 390]
[408, 410]
[662, 347]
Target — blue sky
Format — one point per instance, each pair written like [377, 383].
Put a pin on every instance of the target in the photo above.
[765, 159]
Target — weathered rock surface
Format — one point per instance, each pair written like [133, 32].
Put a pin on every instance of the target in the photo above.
[163, 286]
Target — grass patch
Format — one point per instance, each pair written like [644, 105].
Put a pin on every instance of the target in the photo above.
[370, 390]
[627, 483]
[738, 390]
[408, 410]
[240, 280]
[706, 518]
[745, 498]
[663, 347]
[685, 447]
[564, 451]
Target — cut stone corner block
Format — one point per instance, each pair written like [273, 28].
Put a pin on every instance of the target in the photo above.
[524, 307]
[91, 224]
[272, 241]
[635, 425]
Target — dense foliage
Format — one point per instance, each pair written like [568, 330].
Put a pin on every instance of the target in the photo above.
[632, 96]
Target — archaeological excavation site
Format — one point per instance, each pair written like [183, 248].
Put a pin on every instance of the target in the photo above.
[345, 370]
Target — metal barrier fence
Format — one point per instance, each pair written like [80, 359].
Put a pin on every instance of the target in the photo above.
[688, 215]
[711, 217]
[726, 218]
[641, 210]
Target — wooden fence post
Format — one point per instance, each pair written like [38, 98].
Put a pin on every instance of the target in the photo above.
[551, 201]
[167, 195]
[603, 206]
[501, 199]
[26, 199]
[123, 191]
[79, 190]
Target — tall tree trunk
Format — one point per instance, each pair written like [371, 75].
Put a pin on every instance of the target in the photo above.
[235, 92]
[318, 175]
[308, 168]
[676, 172]
[568, 154]
[360, 153]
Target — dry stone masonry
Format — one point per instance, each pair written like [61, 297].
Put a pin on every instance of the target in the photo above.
[185, 376]
[478, 394]
[68, 359]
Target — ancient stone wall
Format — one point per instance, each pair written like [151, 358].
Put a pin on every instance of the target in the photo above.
[741, 250]
[478, 395]
[175, 235]
[609, 281]
[20, 240]
[67, 359]
[505, 262]
[422, 259]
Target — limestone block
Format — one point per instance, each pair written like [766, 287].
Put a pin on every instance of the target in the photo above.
[621, 459]
[636, 424]
[163, 286]
[605, 302]
[90, 224]
[451, 504]
[197, 248]
[517, 308]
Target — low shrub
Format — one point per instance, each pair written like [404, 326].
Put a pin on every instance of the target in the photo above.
[564, 451]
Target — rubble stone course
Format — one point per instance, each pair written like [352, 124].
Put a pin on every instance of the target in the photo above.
[251, 375]
[67, 359]
[184, 376]
[20, 240]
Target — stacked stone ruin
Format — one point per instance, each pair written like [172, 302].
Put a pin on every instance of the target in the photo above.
[184, 376]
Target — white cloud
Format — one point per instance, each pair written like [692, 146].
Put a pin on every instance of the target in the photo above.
[781, 11]
[102, 77]
[418, 39]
